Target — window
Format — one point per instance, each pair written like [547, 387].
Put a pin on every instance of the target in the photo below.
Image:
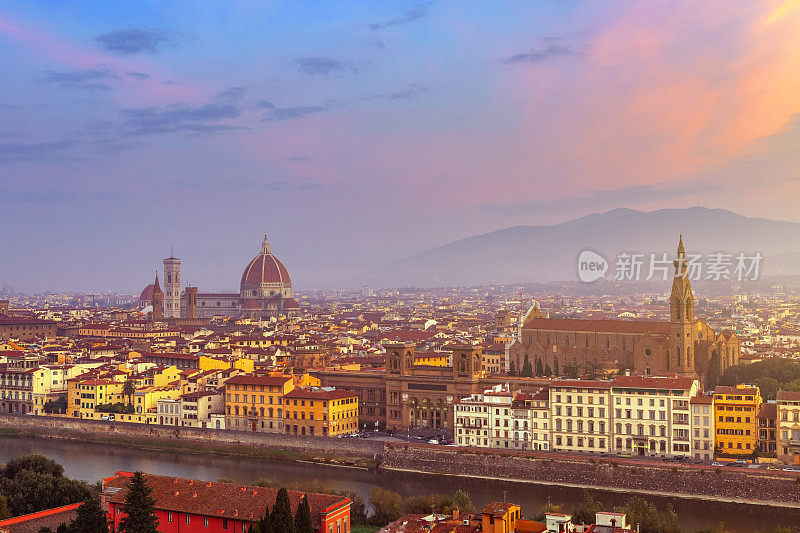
[188, 518]
[205, 521]
[169, 516]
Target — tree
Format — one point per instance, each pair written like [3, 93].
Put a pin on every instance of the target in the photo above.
[591, 369]
[281, 517]
[57, 406]
[548, 507]
[512, 369]
[358, 509]
[139, 508]
[34, 482]
[386, 505]
[129, 389]
[649, 518]
[32, 463]
[586, 510]
[5, 512]
[90, 517]
[539, 367]
[302, 520]
[527, 369]
[555, 366]
[463, 502]
[713, 370]
[547, 370]
[571, 370]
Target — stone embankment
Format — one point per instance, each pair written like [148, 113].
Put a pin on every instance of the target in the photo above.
[355, 452]
[624, 475]
[723, 484]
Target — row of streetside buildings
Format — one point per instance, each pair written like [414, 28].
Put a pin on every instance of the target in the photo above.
[638, 415]
[159, 389]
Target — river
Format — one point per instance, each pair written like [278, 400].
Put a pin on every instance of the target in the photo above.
[92, 462]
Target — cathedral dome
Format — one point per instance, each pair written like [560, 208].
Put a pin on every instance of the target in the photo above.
[147, 294]
[265, 268]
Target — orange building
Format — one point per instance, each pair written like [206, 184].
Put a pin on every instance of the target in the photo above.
[320, 411]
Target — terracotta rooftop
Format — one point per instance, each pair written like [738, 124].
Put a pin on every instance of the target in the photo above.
[208, 498]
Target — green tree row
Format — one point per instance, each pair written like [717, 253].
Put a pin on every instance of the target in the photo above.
[770, 376]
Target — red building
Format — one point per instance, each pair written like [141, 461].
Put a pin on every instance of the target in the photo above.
[189, 506]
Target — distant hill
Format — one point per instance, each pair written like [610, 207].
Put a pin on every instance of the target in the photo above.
[549, 253]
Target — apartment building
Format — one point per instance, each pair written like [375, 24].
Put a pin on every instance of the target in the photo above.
[256, 402]
[501, 418]
[788, 427]
[472, 417]
[320, 411]
[735, 419]
[702, 427]
[581, 416]
[651, 415]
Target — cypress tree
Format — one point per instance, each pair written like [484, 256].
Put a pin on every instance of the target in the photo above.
[547, 370]
[139, 508]
[302, 520]
[527, 368]
[539, 367]
[281, 517]
[90, 518]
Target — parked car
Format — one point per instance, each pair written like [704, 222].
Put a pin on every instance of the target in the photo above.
[717, 463]
[791, 469]
[773, 467]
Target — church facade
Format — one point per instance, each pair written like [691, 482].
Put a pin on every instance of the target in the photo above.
[685, 345]
[265, 291]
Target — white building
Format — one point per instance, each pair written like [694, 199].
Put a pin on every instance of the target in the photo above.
[581, 415]
[702, 427]
[651, 415]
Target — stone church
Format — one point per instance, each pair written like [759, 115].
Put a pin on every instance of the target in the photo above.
[685, 345]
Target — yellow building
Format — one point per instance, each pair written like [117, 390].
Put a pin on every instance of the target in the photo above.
[320, 411]
[736, 419]
[255, 403]
[500, 517]
[94, 392]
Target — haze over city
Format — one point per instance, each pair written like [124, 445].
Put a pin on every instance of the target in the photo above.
[374, 131]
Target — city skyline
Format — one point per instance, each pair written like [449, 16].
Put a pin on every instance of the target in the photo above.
[388, 129]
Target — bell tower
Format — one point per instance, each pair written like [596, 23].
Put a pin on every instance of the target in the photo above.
[158, 301]
[172, 287]
[682, 322]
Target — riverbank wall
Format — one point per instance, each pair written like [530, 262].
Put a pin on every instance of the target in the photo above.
[351, 452]
[738, 485]
[676, 480]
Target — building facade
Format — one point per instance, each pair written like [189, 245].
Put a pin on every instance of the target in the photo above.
[736, 419]
[189, 506]
[685, 345]
[788, 427]
[172, 287]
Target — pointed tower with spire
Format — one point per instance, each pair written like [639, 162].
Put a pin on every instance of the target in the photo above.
[682, 321]
[158, 301]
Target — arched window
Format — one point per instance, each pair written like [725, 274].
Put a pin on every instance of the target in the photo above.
[608, 342]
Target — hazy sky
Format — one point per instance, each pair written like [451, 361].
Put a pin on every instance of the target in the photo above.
[373, 127]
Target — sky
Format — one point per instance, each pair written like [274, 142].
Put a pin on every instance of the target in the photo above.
[372, 130]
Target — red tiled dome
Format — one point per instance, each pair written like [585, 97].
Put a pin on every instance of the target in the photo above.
[265, 268]
[147, 294]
